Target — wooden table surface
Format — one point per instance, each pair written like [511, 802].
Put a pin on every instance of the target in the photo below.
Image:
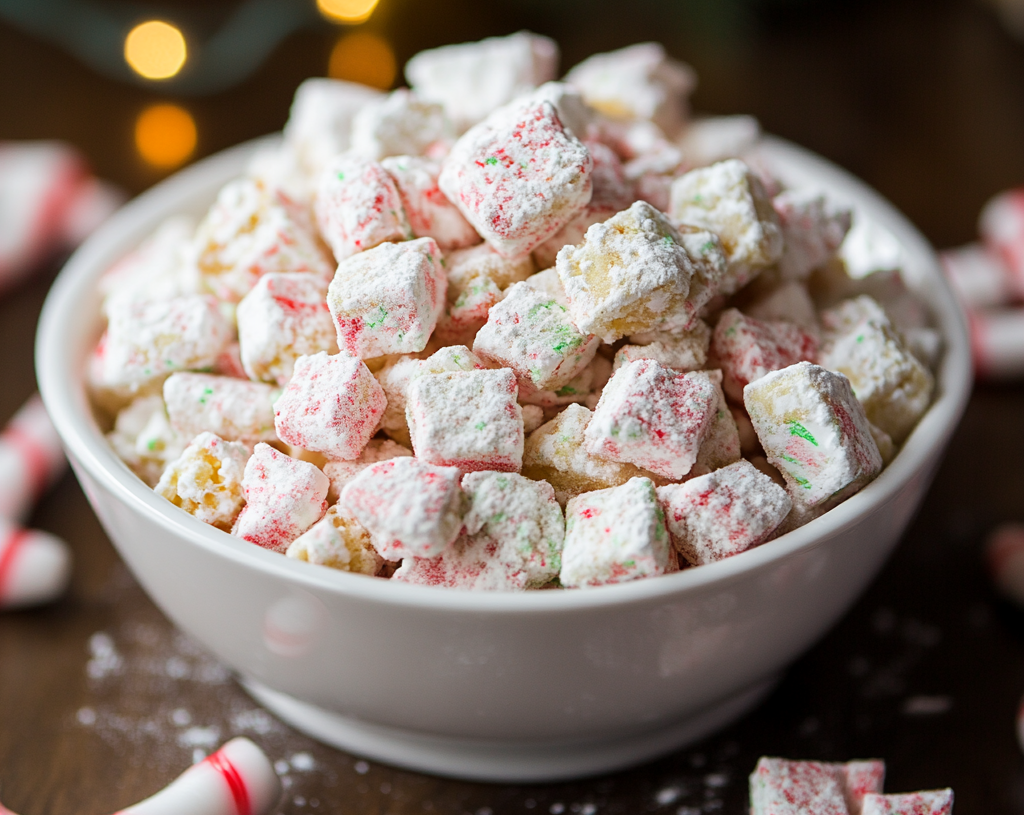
[102, 702]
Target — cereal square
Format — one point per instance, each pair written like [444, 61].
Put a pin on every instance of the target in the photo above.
[206, 480]
[614, 535]
[331, 405]
[781, 787]
[467, 419]
[928, 802]
[399, 124]
[337, 541]
[341, 472]
[430, 214]
[812, 229]
[234, 409]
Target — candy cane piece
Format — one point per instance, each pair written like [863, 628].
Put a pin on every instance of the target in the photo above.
[1004, 553]
[34, 567]
[31, 459]
[236, 780]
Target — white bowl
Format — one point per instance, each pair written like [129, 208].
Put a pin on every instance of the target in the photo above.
[495, 686]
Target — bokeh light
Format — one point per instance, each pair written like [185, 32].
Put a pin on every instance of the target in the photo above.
[347, 11]
[165, 135]
[363, 57]
[155, 50]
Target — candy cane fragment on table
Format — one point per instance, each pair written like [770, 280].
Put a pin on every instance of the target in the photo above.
[236, 780]
[31, 459]
[35, 567]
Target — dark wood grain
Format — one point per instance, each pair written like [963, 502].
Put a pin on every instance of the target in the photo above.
[924, 99]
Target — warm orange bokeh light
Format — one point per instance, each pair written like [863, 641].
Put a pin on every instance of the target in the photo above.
[347, 11]
[155, 50]
[363, 57]
[165, 135]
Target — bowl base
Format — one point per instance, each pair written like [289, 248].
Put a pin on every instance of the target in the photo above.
[481, 760]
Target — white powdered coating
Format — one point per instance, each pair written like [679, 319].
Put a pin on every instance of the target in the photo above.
[276, 167]
[206, 480]
[331, 405]
[637, 82]
[782, 787]
[653, 417]
[533, 417]
[399, 124]
[513, 538]
[612, 193]
[234, 409]
[747, 349]
[465, 265]
[161, 267]
[556, 453]
[250, 231]
[728, 199]
[721, 447]
[144, 439]
[890, 382]
[790, 302]
[430, 214]
[320, 120]
[357, 206]
[341, 472]
[520, 181]
[721, 514]
[573, 112]
[861, 778]
[814, 430]
[337, 541]
[812, 228]
[284, 497]
[467, 419]
[146, 341]
[534, 335]
[474, 78]
[614, 535]
[630, 274]
[387, 300]
[412, 509]
[684, 352]
[285, 316]
[550, 284]
[716, 138]
[926, 802]
[846, 315]
[396, 375]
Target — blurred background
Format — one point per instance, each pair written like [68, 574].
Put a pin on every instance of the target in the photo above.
[101, 703]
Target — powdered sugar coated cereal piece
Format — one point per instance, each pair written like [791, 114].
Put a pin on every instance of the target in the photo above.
[637, 82]
[747, 349]
[234, 409]
[320, 121]
[572, 111]
[466, 312]
[331, 405]
[285, 316]
[534, 336]
[812, 228]
[206, 480]
[929, 802]
[890, 382]
[721, 447]
[467, 419]
[387, 300]
[474, 78]
[556, 453]
[726, 512]
[399, 124]
[781, 787]
[630, 274]
[790, 302]
[464, 265]
[729, 199]
[614, 535]
[716, 138]
[814, 431]
[430, 214]
[859, 779]
[684, 352]
[250, 231]
[518, 183]
[653, 417]
[357, 206]
[284, 497]
[144, 439]
[341, 472]
[412, 509]
[513, 538]
[337, 541]
[146, 341]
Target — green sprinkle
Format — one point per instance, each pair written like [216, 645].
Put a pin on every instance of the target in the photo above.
[797, 429]
[803, 482]
[707, 247]
[206, 392]
[341, 176]
[151, 445]
[480, 425]
[492, 160]
[667, 240]
[860, 338]
[373, 323]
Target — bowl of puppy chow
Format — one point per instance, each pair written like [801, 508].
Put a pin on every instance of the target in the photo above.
[500, 426]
